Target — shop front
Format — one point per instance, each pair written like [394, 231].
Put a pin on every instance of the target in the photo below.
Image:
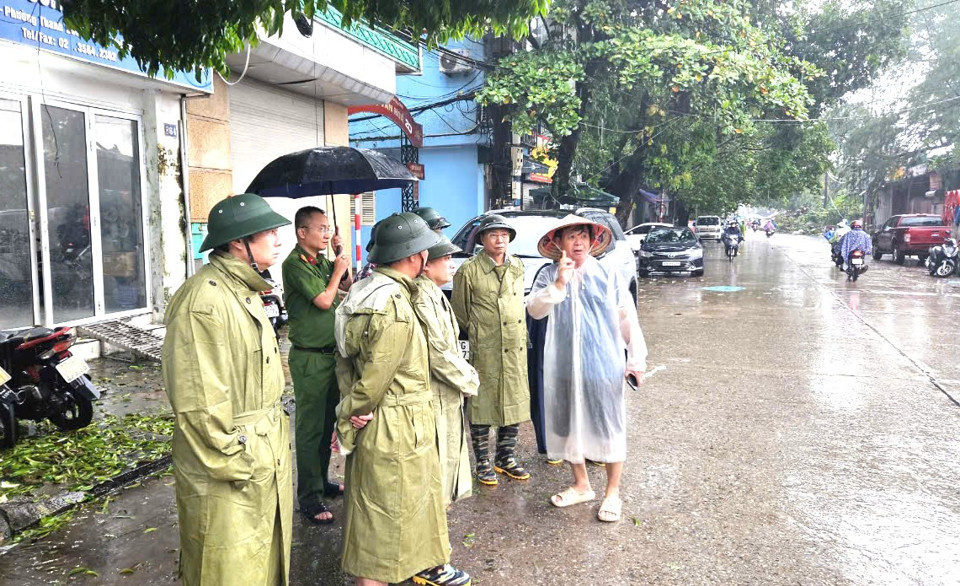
[87, 149]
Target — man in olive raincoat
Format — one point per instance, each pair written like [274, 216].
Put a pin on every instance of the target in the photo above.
[488, 302]
[395, 523]
[451, 376]
[223, 376]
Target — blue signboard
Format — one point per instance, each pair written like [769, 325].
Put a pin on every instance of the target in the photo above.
[39, 23]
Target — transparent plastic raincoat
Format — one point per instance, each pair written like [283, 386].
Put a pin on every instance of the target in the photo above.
[591, 322]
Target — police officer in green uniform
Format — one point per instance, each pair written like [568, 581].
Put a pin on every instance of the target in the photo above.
[311, 283]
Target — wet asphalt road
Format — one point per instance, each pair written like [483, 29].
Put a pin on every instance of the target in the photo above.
[804, 431]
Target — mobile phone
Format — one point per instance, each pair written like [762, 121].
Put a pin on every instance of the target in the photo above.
[632, 381]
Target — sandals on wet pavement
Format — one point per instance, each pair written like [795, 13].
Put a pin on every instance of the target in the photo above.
[610, 509]
[571, 496]
[311, 511]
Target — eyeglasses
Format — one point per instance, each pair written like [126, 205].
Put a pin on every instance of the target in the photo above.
[320, 229]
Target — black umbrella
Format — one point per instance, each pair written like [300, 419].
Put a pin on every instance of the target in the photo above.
[330, 170]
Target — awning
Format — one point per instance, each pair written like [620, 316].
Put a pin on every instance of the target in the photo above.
[650, 197]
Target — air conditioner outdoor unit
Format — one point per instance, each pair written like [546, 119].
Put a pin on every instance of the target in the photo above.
[451, 64]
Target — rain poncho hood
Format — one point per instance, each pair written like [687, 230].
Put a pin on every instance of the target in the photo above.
[590, 324]
[395, 524]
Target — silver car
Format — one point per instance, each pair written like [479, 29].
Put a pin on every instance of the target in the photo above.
[531, 225]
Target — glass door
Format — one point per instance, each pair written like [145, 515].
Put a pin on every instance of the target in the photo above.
[17, 271]
[65, 208]
[121, 229]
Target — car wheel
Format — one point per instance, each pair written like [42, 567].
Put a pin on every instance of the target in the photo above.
[697, 273]
[643, 273]
[899, 256]
[877, 254]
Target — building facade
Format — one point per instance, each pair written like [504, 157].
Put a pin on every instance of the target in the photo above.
[107, 175]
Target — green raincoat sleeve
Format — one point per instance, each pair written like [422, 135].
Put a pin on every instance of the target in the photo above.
[202, 400]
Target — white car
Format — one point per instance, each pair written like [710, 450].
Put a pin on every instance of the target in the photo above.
[637, 234]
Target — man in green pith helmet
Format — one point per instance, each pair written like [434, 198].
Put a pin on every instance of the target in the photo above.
[223, 376]
[488, 302]
[433, 219]
[311, 285]
[395, 524]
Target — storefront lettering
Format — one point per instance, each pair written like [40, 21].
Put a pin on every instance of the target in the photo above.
[39, 23]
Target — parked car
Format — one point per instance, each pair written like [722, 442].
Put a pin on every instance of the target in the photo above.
[909, 235]
[636, 235]
[709, 228]
[531, 225]
[671, 250]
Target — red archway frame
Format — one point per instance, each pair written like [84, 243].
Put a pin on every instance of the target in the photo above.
[397, 112]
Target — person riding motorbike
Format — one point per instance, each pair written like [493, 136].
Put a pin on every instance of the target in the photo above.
[855, 239]
[732, 236]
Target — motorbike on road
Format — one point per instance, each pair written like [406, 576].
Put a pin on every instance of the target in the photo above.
[835, 255]
[857, 266]
[731, 244]
[45, 381]
[943, 259]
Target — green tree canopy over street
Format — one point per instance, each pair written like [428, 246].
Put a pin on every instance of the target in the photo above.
[911, 115]
[714, 102]
[164, 36]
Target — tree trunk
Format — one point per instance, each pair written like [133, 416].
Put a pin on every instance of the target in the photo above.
[569, 144]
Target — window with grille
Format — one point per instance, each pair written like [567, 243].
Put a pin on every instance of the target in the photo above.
[368, 208]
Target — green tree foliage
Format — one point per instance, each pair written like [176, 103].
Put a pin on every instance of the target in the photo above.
[676, 95]
[167, 36]
[911, 124]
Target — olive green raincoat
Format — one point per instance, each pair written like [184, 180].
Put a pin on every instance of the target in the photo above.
[395, 523]
[231, 440]
[488, 303]
[451, 377]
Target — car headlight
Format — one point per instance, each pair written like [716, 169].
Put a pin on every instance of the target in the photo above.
[645, 253]
[696, 253]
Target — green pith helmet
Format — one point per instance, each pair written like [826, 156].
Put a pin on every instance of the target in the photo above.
[373, 236]
[433, 218]
[495, 222]
[239, 216]
[442, 248]
[400, 236]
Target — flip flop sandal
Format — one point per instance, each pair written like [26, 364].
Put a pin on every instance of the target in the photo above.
[610, 509]
[332, 489]
[311, 511]
[570, 497]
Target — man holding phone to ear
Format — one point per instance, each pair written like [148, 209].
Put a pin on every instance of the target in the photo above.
[592, 321]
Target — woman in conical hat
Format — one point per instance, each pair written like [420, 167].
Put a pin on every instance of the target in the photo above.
[593, 320]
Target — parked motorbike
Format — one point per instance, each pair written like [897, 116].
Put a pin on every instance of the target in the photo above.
[8, 417]
[856, 266]
[273, 302]
[943, 259]
[731, 244]
[46, 380]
